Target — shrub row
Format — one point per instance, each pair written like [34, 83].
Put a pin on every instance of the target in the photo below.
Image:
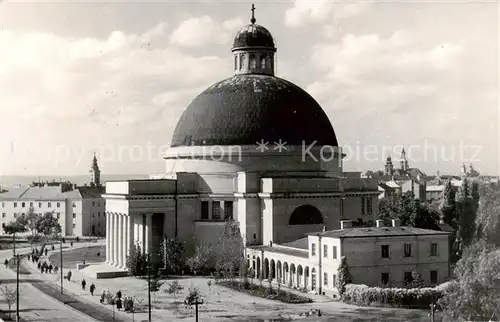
[264, 292]
[394, 297]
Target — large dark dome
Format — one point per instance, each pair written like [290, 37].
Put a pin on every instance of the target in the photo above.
[253, 35]
[246, 109]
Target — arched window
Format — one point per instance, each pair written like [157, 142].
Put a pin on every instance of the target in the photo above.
[242, 61]
[269, 61]
[235, 62]
[253, 62]
[306, 215]
[263, 62]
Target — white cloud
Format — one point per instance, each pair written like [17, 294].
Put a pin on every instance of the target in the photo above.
[196, 32]
[83, 92]
[318, 11]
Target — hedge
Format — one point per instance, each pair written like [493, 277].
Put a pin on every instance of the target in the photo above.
[394, 297]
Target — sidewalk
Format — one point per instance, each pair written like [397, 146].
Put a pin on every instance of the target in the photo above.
[74, 295]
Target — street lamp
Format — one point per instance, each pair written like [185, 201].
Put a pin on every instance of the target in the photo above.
[149, 287]
[61, 254]
[17, 287]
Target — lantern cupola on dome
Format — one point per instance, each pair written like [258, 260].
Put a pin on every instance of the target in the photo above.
[253, 49]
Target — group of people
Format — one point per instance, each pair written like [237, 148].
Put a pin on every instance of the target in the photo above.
[117, 299]
[91, 288]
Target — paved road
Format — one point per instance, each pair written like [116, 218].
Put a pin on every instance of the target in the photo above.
[35, 305]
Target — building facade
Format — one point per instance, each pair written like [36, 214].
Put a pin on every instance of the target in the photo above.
[80, 210]
[253, 148]
[375, 256]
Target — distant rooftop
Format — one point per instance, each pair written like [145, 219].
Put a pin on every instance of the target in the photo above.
[50, 193]
[378, 232]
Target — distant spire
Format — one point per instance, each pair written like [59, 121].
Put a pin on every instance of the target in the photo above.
[253, 14]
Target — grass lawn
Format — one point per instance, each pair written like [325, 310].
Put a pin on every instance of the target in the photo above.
[78, 255]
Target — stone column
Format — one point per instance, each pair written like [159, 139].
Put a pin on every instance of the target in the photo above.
[115, 239]
[111, 238]
[130, 235]
[149, 232]
[108, 239]
[120, 240]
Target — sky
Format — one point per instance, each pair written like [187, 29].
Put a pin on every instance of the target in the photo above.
[114, 77]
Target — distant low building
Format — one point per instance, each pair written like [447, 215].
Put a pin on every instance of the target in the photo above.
[79, 210]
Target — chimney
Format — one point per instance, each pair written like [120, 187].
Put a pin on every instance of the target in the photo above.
[396, 223]
[380, 223]
[344, 224]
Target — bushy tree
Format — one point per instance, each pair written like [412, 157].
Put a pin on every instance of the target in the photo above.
[474, 294]
[230, 250]
[447, 207]
[48, 225]
[488, 217]
[344, 277]
[155, 286]
[9, 295]
[410, 211]
[467, 200]
[172, 252]
[201, 259]
[137, 261]
[16, 226]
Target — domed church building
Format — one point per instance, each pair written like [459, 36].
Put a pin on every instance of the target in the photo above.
[253, 148]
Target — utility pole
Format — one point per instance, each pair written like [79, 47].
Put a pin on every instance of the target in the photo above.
[149, 287]
[61, 254]
[196, 308]
[14, 240]
[17, 289]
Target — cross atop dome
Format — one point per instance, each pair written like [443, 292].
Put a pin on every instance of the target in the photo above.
[253, 20]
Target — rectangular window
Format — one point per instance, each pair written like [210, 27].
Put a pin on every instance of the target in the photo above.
[74, 215]
[334, 280]
[216, 210]
[3, 225]
[31, 204]
[99, 214]
[93, 215]
[58, 215]
[325, 279]
[369, 205]
[334, 252]
[49, 205]
[228, 210]
[15, 215]
[385, 278]
[385, 251]
[362, 205]
[408, 277]
[407, 250]
[434, 249]
[3, 204]
[58, 204]
[39, 205]
[204, 210]
[4, 214]
[23, 204]
[15, 204]
[325, 251]
[313, 249]
[74, 225]
[74, 205]
[434, 277]
[93, 203]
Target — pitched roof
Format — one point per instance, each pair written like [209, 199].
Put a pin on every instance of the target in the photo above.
[378, 232]
[89, 192]
[299, 243]
[13, 194]
[73, 194]
[43, 193]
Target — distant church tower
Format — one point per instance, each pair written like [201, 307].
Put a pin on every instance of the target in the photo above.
[404, 162]
[95, 174]
[389, 167]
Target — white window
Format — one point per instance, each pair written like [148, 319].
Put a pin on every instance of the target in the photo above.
[434, 249]
[325, 279]
[325, 251]
[334, 252]
[313, 249]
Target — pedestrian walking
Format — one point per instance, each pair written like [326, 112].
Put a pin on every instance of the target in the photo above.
[6, 262]
[69, 276]
[92, 289]
[39, 265]
[103, 297]
[71, 244]
[50, 268]
[84, 283]
[46, 252]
